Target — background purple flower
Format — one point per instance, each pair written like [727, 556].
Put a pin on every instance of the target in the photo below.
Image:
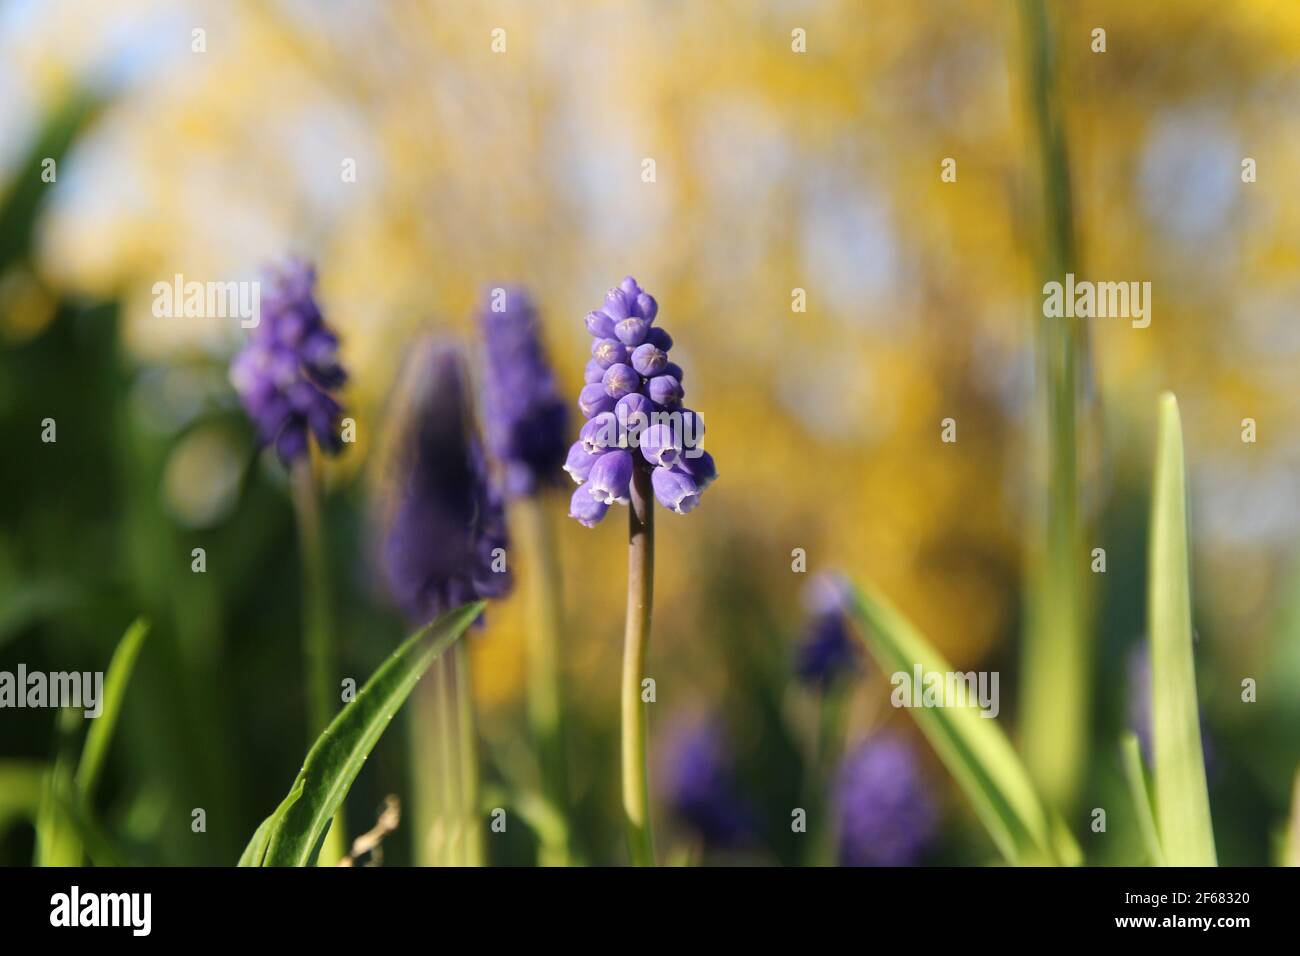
[629, 371]
[699, 785]
[828, 649]
[441, 520]
[288, 369]
[525, 418]
[885, 814]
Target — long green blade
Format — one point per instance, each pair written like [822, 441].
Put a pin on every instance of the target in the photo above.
[336, 758]
[100, 734]
[1135, 777]
[971, 746]
[1182, 802]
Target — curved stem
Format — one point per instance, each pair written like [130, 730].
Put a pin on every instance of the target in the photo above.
[471, 821]
[318, 637]
[640, 596]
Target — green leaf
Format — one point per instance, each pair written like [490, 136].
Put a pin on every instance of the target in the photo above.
[101, 730]
[338, 754]
[1136, 778]
[972, 747]
[1182, 801]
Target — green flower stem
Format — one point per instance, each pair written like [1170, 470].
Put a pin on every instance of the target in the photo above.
[640, 597]
[318, 637]
[1057, 655]
[471, 817]
[427, 775]
[447, 836]
[545, 696]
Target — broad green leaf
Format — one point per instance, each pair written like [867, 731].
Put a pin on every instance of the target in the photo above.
[255, 852]
[20, 790]
[1182, 801]
[1136, 778]
[100, 734]
[338, 754]
[972, 747]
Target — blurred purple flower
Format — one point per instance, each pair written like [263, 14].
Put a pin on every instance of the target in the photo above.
[884, 813]
[286, 372]
[441, 521]
[526, 420]
[699, 785]
[828, 650]
[629, 374]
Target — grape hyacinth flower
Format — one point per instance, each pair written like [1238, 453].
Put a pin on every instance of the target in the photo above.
[443, 543]
[700, 786]
[443, 524]
[527, 426]
[884, 813]
[648, 448]
[287, 373]
[632, 400]
[285, 377]
[525, 418]
[828, 650]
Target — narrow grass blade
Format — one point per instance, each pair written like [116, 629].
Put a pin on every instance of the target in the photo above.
[336, 758]
[57, 843]
[100, 734]
[972, 747]
[1182, 801]
[1136, 778]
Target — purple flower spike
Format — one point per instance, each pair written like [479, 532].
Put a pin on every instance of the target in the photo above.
[665, 390]
[608, 352]
[630, 374]
[885, 813]
[620, 380]
[661, 445]
[827, 651]
[700, 785]
[285, 374]
[675, 489]
[442, 524]
[610, 477]
[585, 508]
[600, 325]
[526, 419]
[593, 399]
[649, 360]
